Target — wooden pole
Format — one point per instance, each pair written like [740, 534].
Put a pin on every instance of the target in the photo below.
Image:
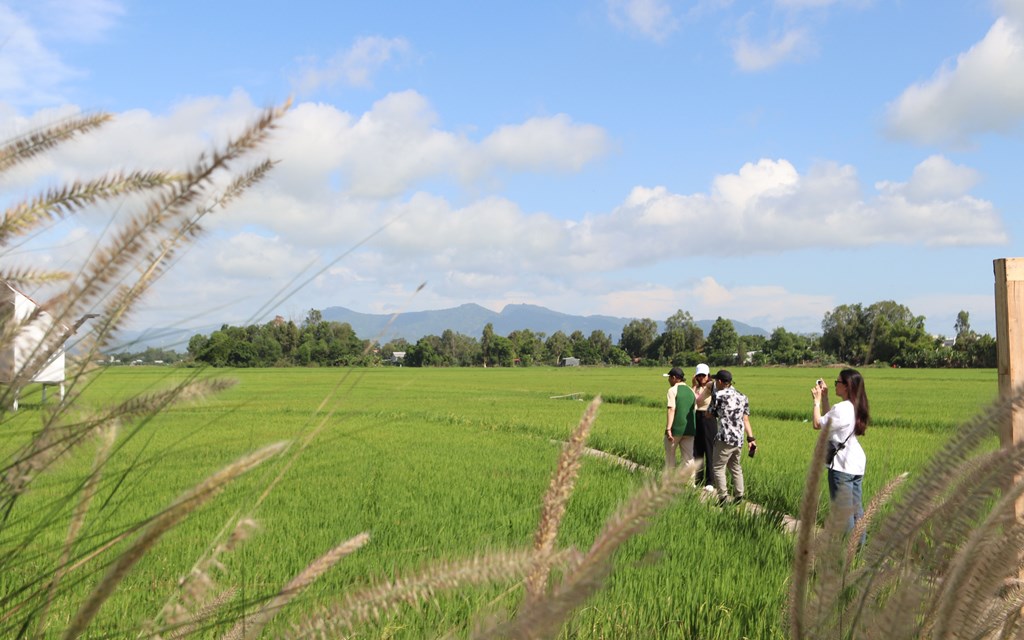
[1009, 274]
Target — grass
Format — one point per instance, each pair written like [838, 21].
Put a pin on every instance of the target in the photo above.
[444, 464]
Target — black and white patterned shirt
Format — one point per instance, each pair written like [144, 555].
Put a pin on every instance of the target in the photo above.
[731, 406]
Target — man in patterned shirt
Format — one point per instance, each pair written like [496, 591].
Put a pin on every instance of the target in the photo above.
[733, 412]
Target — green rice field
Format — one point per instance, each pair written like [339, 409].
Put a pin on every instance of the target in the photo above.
[443, 464]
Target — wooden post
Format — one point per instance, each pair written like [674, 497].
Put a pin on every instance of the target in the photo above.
[1009, 274]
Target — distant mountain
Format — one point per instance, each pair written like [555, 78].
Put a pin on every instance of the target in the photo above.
[470, 319]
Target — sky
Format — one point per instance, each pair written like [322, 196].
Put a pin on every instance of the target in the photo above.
[760, 161]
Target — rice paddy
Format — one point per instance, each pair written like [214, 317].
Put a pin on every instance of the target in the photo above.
[445, 464]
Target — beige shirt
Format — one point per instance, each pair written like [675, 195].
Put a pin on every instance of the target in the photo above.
[703, 404]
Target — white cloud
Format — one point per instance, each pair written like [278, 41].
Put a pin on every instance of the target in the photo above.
[398, 144]
[352, 185]
[78, 20]
[355, 66]
[982, 91]
[30, 73]
[250, 255]
[941, 310]
[765, 178]
[546, 143]
[706, 298]
[794, 44]
[136, 139]
[785, 32]
[1012, 9]
[651, 19]
[936, 178]
[335, 168]
[767, 207]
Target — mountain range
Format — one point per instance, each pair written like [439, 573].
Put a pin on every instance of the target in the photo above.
[470, 319]
[467, 319]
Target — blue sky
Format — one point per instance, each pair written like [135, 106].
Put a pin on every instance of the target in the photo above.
[763, 161]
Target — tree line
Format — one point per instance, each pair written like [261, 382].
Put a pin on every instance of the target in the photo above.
[882, 333]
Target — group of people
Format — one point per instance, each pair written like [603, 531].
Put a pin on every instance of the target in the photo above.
[708, 420]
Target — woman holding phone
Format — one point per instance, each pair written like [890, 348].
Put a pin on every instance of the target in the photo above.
[846, 421]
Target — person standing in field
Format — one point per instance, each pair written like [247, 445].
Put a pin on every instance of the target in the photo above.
[704, 439]
[681, 420]
[845, 422]
[733, 411]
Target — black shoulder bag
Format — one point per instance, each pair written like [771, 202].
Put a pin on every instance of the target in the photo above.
[833, 449]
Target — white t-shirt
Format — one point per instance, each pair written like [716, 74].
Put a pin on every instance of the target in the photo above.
[840, 421]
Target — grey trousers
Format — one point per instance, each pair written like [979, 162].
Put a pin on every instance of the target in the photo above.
[728, 456]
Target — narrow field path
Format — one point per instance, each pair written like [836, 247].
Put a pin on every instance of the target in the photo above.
[789, 523]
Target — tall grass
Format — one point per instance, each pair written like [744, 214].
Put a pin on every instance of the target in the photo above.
[40, 569]
[187, 507]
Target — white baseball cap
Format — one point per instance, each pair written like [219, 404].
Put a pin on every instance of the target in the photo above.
[702, 369]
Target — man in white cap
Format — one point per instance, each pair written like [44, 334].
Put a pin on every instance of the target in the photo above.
[704, 439]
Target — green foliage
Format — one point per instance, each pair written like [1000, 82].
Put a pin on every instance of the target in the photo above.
[783, 347]
[556, 347]
[278, 343]
[460, 464]
[150, 355]
[74, 534]
[884, 331]
[528, 346]
[723, 342]
[878, 333]
[637, 337]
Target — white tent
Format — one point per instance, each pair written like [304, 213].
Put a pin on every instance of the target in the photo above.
[37, 330]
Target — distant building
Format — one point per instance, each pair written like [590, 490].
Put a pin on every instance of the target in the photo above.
[38, 342]
[397, 357]
[748, 357]
[569, 362]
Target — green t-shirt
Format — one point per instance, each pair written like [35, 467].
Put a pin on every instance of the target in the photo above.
[684, 423]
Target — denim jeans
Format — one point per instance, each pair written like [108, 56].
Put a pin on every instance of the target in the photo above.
[846, 488]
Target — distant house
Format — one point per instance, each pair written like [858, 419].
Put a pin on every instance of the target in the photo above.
[569, 362]
[397, 357]
[748, 357]
[38, 344]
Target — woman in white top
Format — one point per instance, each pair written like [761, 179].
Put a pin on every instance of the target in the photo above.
[845, 422]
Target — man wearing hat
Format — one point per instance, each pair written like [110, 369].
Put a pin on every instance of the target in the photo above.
[733, 411]
[681, 421]
[704, 441]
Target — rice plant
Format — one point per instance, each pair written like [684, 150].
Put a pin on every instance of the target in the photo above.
[943, 562]
[167, 213]
[942, 559]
